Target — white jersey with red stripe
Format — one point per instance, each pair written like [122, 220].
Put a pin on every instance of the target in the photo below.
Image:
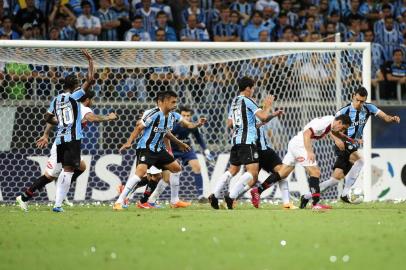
[297, 153]
[53, 167]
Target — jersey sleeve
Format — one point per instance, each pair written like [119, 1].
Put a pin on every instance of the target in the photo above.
[52, 106]
[342, 111]
[177, 116]
[251, 105]
[148, 118]
[84, 110]
[78, 94]
[319, 125]
[372, 108]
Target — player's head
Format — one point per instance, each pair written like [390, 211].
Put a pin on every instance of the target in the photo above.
[154, 174]
[167, 100]
[397, 56]
[87, 100]
[71, 82]
[359, 97]
[246, 85]
[186, 112]
[341, 123]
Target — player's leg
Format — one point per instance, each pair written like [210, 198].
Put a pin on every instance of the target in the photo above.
[352, 175]
[68, 154]
[314, 184]
[221, 182]
[162, 185]
[197, 176]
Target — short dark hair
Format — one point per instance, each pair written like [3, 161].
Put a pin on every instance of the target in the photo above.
[85, 3]
[397, 50]
[344, 118]
[386, 6]
[7, 18]
[245, 82]
[70, 82]
[161, 13]
[88, 95]
[137, 17]
[166, 94]
[185, 108]
[362, 91]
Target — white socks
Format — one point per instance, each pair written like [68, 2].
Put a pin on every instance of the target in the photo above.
[352, 176]
[239, 186]
[158, 191]
[328, 183]
[174, 182]
[62, 187]
[284, 187]
[221, 183]
[128, 187]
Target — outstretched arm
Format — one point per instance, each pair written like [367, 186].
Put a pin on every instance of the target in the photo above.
[91, 117]
[90, 74]
[136, 132]
[182, 146]
[42, 142]
[187, 124]
[388, 118]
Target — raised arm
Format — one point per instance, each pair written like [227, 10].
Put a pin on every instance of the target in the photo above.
[90, 74]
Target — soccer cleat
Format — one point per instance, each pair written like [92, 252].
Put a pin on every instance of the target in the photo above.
[303, 202]
[214, 202]
[117, 206]
[345, 199]
[290, 206]
[120, 189]
[155, 205]
[145, 205]
[180, 204]
[255, 197]
[320, 207]
[57, 209]
[229, 202]
[23, 205]
[67, 202]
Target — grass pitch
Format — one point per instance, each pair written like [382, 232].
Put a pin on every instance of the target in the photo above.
[365, 236]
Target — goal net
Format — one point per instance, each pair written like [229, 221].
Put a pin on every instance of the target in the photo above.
[308, 79]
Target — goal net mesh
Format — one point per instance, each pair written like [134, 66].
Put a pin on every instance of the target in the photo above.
[127, 81]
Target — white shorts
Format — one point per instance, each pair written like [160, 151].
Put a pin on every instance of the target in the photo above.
[53, 167]
[297, 154]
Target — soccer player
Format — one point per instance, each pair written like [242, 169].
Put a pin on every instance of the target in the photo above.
[349, 163]
[300, 151]
[242, 117]
[53, 168]
[182, 133]
[65, 111]
[155, 124]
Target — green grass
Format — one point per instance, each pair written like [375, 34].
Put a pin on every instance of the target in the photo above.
[373, 236]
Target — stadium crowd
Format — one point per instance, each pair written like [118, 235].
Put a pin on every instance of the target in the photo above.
[383, 23]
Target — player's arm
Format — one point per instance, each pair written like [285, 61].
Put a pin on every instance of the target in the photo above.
[187, 124]
[182, 146]
[51, 119]
[91, 117]
[307, 138]
[42, 142]
[388, 118]
[265, 114]
[136, 132]
[337, 141]
[90, 73]
[202, 143]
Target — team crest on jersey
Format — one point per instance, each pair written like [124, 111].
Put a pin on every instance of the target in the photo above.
[350, 147]
[256, 155]
[142, 158]
[49, 165]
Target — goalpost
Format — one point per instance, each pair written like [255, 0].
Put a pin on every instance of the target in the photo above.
[308, 79]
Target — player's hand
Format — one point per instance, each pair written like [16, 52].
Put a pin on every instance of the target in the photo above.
[112, 116]
[340, 144]
[183, 147]
[87, 55]
[278, 113]
[268, 101]
[209, 155]
[42, 142]
[359, 141]
[311, 156]
[202, 121]
[125, 146]
[395, 119]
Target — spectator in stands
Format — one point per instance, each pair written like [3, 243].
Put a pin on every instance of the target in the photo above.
[353, 12]
[380, 25]
[122, 10]
[243, 8]
[36, 32]
[340, 27]
[108, 20]
[195, 10]
[65, 20]
[390, 38]
[268, 19]
[369, 10]
[160, 5]
[6, 29]
[282, 23]
[160, 35]
[313, 11]
[148, 15]
[330, 30]
[293, 18]
[213, 15]
[402, 23]
[260, 4]
[354, 33]
[4, 12]
[309, 28]
[264, 36]
[288, 35]
[137, 30]
[235, 18]
[192, 33]
[27, 32]
[394, 73]
[314, 37]
[251, 31]
[87, 25]
[225, 30]
[30, 15]
[162, 23]
[77, 7]
[53, 33]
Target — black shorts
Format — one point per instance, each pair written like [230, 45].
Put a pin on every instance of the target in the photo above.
[268, 160]
[343, 157]
[157, 159]
[243, 154]
[68, 153]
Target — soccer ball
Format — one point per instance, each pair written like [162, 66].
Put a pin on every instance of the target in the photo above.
[356, 195]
